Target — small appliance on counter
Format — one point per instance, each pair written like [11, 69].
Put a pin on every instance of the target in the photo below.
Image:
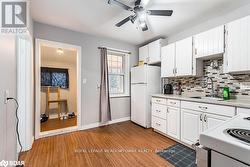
[168, 89]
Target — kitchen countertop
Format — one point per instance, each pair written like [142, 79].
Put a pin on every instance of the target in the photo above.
[243, 103]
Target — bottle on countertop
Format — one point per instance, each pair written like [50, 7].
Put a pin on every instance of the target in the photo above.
[226, 93]
[178, 89]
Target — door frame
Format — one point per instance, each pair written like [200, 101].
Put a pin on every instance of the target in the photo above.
[39, 43]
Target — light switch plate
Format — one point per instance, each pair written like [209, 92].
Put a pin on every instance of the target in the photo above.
[245, 86]
[84, 81]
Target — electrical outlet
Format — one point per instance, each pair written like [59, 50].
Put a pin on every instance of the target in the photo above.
[245, 86]
[6, 95]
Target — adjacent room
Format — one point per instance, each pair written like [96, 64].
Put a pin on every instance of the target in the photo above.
[120, 83]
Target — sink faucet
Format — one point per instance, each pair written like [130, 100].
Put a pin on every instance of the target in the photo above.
[213, 93]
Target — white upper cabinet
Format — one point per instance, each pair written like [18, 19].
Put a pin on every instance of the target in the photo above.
[154, 50]
[184, 57]
[168, 61]
[143, 53]
[151, 53]
[238, 42]
[210, 42]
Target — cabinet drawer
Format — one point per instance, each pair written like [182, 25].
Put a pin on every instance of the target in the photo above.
[173, 103]
[159, 110]
[209, 108]
[243, 111]
[159, 101]
[159, 124]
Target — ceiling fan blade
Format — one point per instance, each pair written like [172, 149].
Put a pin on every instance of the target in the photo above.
[160, 12]
[123, 21]
[137, 2]
[122, 5]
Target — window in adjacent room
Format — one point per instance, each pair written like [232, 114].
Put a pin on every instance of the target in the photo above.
[118, 67]
[55, 77]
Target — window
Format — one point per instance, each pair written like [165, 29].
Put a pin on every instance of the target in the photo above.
[118, 73]
[56, 77]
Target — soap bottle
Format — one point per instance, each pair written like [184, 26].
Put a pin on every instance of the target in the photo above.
[226, 93]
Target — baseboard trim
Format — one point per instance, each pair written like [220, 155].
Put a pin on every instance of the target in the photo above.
[98, 124]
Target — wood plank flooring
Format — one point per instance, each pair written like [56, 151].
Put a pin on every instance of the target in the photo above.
[126, 145]
[53, 124]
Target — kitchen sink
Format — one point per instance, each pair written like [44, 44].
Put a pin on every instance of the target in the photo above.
[207, 98]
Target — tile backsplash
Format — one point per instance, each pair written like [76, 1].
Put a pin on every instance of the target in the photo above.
[199, 84]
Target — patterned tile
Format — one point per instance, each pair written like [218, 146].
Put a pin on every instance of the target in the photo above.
[197, 84]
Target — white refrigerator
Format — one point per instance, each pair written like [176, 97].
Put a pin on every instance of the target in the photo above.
[145, 81]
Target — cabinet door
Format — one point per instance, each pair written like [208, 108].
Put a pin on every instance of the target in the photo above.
[143, 53]
[173, 122]
[191, 126]
[238, 41]
[184, 57]
[211, 120]
[168, 60]
[154, 52]
[210, 42]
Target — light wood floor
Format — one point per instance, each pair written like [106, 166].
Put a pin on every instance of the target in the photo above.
[56, 123]
[74, 149]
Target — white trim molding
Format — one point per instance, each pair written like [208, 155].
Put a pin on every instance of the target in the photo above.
[98, 124]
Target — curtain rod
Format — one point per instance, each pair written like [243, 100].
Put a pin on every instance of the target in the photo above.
[115, 50]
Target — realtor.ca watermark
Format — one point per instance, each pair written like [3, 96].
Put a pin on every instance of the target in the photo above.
[11, 163]
[14, 17]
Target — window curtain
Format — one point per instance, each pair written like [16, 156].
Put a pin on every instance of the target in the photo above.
[105, 111]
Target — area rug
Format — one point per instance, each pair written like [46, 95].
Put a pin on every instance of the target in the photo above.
[179, 156]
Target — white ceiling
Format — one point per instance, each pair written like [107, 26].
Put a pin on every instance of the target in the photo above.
[98, 18]
[49, 54]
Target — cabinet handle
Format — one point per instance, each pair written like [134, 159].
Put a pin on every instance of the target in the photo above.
[173, 71]
[172, 102]
[202, 108]
[201, 117]
[195, 51]
[158, 111]
[176, 70]
[205, 118]
[158, 124]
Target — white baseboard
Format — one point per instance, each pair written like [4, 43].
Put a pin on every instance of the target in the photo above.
[98, 124]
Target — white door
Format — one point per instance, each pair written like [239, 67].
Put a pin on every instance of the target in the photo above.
[210, 42]
[173, 122]
[139, 74]
[191, 126]
[138, 104]
[168, 60]
[238, 41]
[184, 57]
[143, 53]
[154, 50]
[211, 120]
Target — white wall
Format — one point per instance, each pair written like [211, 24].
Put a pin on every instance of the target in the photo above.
[69, 94]
[7, 111]
[216, 21]
[90, 68]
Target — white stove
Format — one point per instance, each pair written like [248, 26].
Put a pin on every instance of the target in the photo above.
[230, 139]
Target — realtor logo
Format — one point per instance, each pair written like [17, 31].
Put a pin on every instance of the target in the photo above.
[14, 14]
[4, 163]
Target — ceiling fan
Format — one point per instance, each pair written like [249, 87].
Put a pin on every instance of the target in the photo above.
[139, 13]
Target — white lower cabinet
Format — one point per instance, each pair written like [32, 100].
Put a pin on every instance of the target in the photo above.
[184, 121]
[211, 120]
[159, 124]
[173, 122]
[191, 126]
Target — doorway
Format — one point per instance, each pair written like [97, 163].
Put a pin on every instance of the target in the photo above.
[58, 90]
